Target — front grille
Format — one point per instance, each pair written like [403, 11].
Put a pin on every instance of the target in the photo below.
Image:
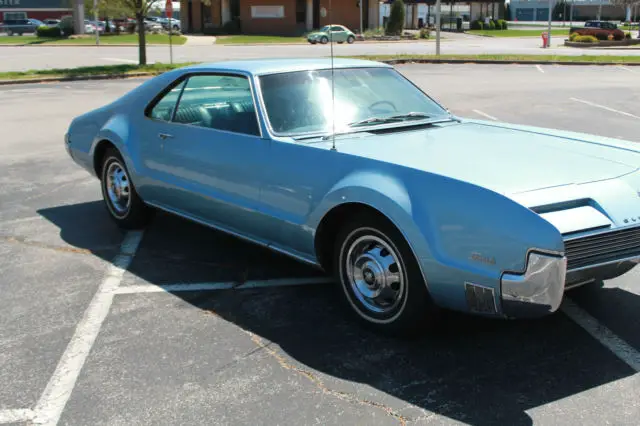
[602, 248]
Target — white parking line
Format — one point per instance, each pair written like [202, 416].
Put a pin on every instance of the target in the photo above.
[540, 69]
[627, 69]
[15, 416]
[605, 108]
[175, 288]
[615, 344]
[131, 61]
[484, 114]
[52, 402]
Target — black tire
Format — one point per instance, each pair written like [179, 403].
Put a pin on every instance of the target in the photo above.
[351, 39]
[137, 213]
[413, 312]
[324, 40]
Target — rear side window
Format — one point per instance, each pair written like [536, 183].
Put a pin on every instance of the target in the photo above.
[163, 109]
[221, 102]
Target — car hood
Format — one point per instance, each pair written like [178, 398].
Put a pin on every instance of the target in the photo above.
[507, 159]
[316, 34]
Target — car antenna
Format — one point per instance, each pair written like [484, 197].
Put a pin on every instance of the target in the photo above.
[333, 86]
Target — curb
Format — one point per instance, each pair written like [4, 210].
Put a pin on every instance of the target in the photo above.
[388, 61]
[84, 45]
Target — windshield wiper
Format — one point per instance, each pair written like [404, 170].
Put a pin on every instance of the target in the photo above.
[390, 119]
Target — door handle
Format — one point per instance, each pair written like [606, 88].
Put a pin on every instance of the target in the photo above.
[164, 136]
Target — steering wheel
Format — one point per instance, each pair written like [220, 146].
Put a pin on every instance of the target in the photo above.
[391, 104]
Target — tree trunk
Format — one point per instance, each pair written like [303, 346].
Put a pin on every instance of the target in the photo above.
[142, 43]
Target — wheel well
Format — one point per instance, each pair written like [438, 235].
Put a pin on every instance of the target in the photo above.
[98, 155]
[330, 226]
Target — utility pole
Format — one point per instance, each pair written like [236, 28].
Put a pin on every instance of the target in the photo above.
[599, 9]
[437, 27]
[549, 28]
[78, 16]
[95, 18]
[360, 7]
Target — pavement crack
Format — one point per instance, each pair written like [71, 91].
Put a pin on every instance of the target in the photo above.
[344, 396]
[62, 249]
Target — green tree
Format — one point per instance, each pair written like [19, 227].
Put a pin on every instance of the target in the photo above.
[395, 25]
[559, 10]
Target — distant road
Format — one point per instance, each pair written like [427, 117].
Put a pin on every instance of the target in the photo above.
[44, 57]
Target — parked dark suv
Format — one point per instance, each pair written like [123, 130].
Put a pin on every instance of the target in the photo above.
[19, 26]
[599, 29]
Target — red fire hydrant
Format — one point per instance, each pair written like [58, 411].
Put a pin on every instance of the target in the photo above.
[545, 39]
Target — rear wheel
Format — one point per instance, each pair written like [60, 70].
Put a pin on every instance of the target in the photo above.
[123, 203]
[380, 277]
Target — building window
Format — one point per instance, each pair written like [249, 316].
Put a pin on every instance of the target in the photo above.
[267, 11]
[301, 11]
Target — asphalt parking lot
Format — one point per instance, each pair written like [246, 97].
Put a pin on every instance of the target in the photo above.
[180, 324]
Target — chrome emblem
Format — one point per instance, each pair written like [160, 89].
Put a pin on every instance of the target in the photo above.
[484, 259]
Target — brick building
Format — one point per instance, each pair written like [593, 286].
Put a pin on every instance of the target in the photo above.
[278, 17]
[36, 9]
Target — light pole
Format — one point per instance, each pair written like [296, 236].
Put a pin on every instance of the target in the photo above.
[95, 18]
[360, 7]
[549, 28]
[437, 27]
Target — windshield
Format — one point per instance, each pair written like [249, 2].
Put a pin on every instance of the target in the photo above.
[324, 29]
[300, 102]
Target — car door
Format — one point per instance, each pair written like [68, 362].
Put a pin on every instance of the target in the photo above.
[205, 156]
[338, 34]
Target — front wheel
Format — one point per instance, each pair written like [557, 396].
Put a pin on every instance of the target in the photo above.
[125, 207]
[324, 40]
[351, 39]
[380, 277]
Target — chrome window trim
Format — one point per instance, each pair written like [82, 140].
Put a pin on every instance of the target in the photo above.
[531, 250]
[186, 76]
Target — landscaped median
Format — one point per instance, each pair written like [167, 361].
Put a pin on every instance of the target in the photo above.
[123, 71]
[90, 40]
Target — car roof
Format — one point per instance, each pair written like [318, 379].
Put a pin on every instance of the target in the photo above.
[275, 66]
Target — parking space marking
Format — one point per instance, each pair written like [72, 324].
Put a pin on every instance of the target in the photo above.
[540, 69]
[615, 344]
[58, 391]
[605, 108]
[176, 288]
[484, 114]
[15, 416]
[627, 69]
[131, 61]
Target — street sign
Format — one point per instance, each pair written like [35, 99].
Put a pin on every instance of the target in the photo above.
[168, 9]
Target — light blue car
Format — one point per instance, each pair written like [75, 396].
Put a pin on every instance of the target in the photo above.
[411, 208]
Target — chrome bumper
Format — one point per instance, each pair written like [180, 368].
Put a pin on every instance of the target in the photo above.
[538, 290]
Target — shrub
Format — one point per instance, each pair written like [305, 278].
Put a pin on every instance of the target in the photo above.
[232, 27]
[585, 39]
[425, 33]
[395, 24]
[66, 25]
[573, 36]
[476, 25]
[51, 32]
[502, 24]
[492, 25]
[627, 35]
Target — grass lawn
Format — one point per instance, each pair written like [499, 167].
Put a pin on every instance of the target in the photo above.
[518, 33]
[249, 39]
[91, 40]
[154, 69]
[114, 70]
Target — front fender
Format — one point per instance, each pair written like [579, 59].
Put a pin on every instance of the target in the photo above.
[384, 192]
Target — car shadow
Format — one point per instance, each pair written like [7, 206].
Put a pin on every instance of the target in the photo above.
[474, 370]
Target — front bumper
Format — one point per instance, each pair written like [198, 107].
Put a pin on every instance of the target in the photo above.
[537, 291]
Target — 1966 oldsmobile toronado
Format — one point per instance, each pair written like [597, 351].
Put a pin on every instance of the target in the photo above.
[358, 171]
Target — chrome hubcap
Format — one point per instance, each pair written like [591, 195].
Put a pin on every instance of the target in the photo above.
[375, 274]
[118, 188]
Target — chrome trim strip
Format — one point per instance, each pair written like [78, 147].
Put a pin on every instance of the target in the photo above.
[526, 259]
[635, 259]
[578, 284]
[595, 234]
[233, 233]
